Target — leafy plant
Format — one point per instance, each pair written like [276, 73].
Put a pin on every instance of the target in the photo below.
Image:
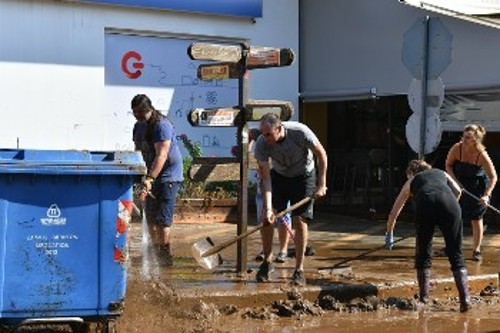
[192, 189]
[194, 150]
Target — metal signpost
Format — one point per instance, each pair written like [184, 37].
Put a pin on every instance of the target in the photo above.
[234, 61]
[426, 54]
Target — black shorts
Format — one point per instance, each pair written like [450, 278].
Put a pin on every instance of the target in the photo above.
[293, 189]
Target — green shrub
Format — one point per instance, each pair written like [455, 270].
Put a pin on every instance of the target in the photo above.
[191, 189]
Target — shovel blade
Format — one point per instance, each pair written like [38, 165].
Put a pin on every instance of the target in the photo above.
[201, 247]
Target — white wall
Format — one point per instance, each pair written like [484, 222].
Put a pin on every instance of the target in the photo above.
[52, 65]
[355, 45]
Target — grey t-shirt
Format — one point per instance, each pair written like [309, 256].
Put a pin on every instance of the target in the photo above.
[293, 156]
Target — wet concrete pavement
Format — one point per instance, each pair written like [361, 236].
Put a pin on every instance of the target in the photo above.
[374, 287]
[352, 246]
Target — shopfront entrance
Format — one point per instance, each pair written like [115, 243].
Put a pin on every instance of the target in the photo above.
[368, 150]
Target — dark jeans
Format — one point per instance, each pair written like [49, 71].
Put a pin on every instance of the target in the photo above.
[443, 211]
[161, 209]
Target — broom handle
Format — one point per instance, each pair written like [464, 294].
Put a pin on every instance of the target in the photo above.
[478, 199]
[222, 246]
[361, 255]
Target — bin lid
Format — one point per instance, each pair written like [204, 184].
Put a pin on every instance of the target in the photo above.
[80, 162]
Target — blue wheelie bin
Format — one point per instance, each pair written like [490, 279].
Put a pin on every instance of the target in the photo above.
[64, 219]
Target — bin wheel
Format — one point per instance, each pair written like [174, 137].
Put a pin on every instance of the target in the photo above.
[108, 327]
[80, 327]
[6, 329]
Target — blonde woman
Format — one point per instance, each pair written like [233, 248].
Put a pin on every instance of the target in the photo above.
[469, 164]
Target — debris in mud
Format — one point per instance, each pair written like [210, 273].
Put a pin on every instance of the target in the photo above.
[203, 310]
[368, 304]
[296, 308]
[294, 295]
[489, 290]
[328, 302]
[402, 303]
[228, 309]
[260, 313]
[362, 304]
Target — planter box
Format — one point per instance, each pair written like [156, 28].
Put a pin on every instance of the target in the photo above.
[206, 210]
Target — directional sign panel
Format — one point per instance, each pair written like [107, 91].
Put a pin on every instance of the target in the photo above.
[438, 48]
[230, 116]
[215, 52]
[264, 57]
[219, 117]
[218, 71]
[255, 109]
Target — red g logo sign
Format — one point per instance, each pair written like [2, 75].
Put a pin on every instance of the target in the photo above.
[137, 65]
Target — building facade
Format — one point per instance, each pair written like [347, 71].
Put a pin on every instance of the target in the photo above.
[68, 69]
[354, 87]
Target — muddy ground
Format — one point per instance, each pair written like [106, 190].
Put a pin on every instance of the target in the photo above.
[154, 304]
[151, 307]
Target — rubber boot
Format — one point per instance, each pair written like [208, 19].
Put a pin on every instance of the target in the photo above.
[164, 256]
[460, 276]
[424, 283]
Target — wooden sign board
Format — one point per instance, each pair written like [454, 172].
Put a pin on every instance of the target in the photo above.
[218, 117]
[264, 57]
[216, 169]
[215, 52]
[210, 169]
[255, 109]
[219, 71]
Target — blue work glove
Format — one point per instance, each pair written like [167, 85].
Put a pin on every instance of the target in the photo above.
[389, 240]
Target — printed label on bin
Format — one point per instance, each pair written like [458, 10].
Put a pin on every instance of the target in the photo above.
[52, 244]
[53, 216]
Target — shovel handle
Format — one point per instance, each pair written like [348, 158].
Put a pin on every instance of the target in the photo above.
[293, 207]
[222, 246]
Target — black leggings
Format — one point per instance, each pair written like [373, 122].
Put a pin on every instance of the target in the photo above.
[443, 211]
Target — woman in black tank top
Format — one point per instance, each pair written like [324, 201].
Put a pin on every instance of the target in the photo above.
[469, 164]
[435, 204]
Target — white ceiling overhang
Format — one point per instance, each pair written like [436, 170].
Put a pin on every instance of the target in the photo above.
[484, 12]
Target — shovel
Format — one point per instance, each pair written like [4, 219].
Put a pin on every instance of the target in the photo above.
[204, 252]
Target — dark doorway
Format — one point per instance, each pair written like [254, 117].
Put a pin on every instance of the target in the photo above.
[367, 152]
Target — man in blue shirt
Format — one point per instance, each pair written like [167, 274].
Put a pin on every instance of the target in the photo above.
[154, 136]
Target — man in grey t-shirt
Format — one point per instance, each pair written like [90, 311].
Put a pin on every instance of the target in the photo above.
[290, 147]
